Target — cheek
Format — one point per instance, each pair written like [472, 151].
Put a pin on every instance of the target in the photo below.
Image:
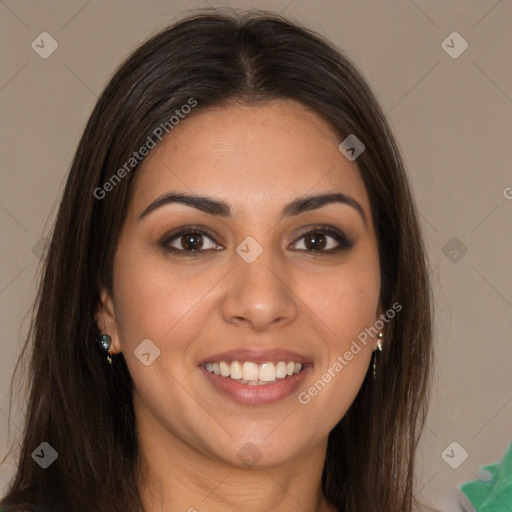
[346, 298]
[350, 308]
[345, 303]
[169, 306]
[163, 305]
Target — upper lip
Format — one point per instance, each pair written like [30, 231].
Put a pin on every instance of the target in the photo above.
[256, 355]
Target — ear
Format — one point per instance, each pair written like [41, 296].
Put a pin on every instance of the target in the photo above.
[106, 319]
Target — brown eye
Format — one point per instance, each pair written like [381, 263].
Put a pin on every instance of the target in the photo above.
[189, 241]
[324, 239]
[315, 241]
[192, 241]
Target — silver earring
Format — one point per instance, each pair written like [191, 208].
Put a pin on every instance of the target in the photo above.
[379, 345]
[105, 342]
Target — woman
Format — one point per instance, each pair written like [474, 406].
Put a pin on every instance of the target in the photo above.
[238, 234]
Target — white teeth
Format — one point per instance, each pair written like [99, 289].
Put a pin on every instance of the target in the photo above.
[236, 370]
[267, 372]
[253, 374]
[250, 371]
[224, 369]
[281, 370]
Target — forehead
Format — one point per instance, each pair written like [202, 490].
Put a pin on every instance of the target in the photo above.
[252, 156]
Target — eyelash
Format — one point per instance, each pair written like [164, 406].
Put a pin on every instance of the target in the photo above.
[339, 236]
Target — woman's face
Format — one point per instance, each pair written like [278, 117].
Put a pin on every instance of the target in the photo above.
[270, 278]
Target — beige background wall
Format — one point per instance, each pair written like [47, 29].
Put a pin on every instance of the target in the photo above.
[452, 118]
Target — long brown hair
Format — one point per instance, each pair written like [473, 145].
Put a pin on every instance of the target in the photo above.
[83, 407]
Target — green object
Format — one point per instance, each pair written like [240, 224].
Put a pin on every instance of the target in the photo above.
[493, 494]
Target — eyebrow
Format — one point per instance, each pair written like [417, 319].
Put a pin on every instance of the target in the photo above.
[220, 208]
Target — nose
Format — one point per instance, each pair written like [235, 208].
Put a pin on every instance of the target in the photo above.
[259, 294]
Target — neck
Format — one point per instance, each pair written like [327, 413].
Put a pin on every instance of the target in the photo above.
[178, 478]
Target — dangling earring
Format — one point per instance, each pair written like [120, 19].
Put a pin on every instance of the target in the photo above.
[379, 345]
[105, 342]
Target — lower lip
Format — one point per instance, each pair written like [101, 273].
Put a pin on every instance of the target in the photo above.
[263, 394]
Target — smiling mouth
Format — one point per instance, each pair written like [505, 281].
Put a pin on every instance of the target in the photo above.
[253, 374]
